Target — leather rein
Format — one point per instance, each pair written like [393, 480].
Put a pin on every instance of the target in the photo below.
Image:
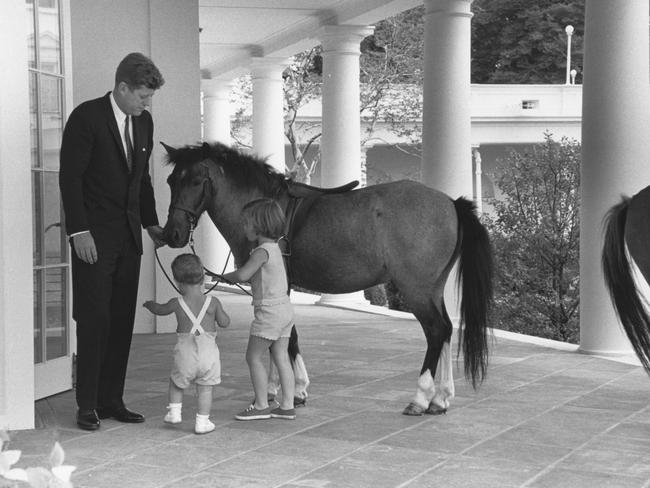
[193, 218]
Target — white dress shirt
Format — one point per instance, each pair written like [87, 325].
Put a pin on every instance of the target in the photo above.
[120, 118]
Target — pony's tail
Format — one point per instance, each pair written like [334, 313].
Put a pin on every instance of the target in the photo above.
[299, 369]
[293, 348]
[620, 283]
[475, 274]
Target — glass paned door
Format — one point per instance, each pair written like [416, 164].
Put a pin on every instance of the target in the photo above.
[52, 345]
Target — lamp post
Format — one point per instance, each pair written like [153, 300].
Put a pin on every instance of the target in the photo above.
[569, 32]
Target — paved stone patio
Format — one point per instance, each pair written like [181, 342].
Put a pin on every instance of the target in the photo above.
[544, 417]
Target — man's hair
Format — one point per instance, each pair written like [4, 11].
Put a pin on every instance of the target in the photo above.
[266, 217]
[137, 70]
[187, 269]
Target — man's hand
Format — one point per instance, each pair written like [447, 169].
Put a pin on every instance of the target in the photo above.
[156, 234]
[84, 247]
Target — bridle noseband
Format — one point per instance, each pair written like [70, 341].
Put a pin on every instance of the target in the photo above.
[194, 214]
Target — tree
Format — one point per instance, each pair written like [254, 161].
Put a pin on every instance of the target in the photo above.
[391, 79]
[518, 41]
[242, 98]
[536, 234]
[390, 76]
[302, 84]
[513, 41]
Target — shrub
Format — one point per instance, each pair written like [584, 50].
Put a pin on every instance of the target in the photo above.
[536, 235]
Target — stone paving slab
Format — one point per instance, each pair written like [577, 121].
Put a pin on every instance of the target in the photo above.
[545, 417]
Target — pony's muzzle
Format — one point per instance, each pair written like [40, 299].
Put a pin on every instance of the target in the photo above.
[174, 237]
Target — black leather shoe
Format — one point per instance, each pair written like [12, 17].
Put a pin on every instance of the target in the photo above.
[87, 419]
[121, 414]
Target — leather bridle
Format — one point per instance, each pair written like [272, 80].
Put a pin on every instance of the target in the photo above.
[193, 215]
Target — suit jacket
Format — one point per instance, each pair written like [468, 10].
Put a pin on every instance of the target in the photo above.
[98, 191]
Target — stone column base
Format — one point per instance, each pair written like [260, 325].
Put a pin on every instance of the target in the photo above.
[341, 299]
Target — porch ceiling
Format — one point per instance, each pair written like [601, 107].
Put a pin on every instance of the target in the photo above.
[235, 30]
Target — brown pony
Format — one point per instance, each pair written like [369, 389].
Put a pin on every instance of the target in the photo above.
[402, 232]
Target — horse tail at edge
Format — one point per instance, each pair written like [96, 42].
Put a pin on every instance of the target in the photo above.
[293, 348]
[620, 284]
[300, 374]
[475, 275]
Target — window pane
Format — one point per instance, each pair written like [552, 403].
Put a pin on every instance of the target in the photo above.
[37, 220]
[31, 45]
[52, 119]
[49, 36]
[52, 216]
[33, 118]
[38, 317]
[55, 313]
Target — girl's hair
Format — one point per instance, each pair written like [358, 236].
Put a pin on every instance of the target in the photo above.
[187, 269]
[265, 216]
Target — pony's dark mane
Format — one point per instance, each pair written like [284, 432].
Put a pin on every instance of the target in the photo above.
[244, 170]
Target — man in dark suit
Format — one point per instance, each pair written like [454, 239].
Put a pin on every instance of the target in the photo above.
[107, 199]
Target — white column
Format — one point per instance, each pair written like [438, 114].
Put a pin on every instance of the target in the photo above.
[446, 115]
[363, 165]
[216, 110]
[268, 110]
[176, 111]
[341, 139]
[16, 282]
[210, 244]
[446, 118]
[615, 121]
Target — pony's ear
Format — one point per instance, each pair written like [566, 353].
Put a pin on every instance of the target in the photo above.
[170, 150]
[205, 150]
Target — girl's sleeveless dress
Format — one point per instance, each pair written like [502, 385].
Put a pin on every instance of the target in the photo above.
[271, 305]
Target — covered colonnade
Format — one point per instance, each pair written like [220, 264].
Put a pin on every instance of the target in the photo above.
[202, 45]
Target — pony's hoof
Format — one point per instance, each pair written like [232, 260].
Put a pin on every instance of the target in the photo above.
[299, 402]
[435, 410]
[413, 410]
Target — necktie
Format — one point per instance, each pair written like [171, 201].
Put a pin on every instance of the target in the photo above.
[129, 144]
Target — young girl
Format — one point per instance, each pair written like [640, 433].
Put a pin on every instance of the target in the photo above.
[263, 221]
[196, 355]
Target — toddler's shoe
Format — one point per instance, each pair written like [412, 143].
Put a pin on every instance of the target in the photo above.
[252, 413]
[173, 416]
[203, 426]
[279, 413]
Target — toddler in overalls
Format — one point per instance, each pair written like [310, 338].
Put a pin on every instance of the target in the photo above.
[196, 355]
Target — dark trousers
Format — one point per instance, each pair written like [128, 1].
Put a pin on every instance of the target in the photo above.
[104, 298]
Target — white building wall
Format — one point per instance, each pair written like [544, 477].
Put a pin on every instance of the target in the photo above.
[168, 32]
[16, 282]
[498, 116]
[507, 100]
[177, 119]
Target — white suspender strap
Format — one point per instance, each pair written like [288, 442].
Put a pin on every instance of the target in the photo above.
[196, 321]
[206, 304]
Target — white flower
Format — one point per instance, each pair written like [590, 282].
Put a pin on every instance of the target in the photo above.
[60, 470]
[8, 459]
[57, 477]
